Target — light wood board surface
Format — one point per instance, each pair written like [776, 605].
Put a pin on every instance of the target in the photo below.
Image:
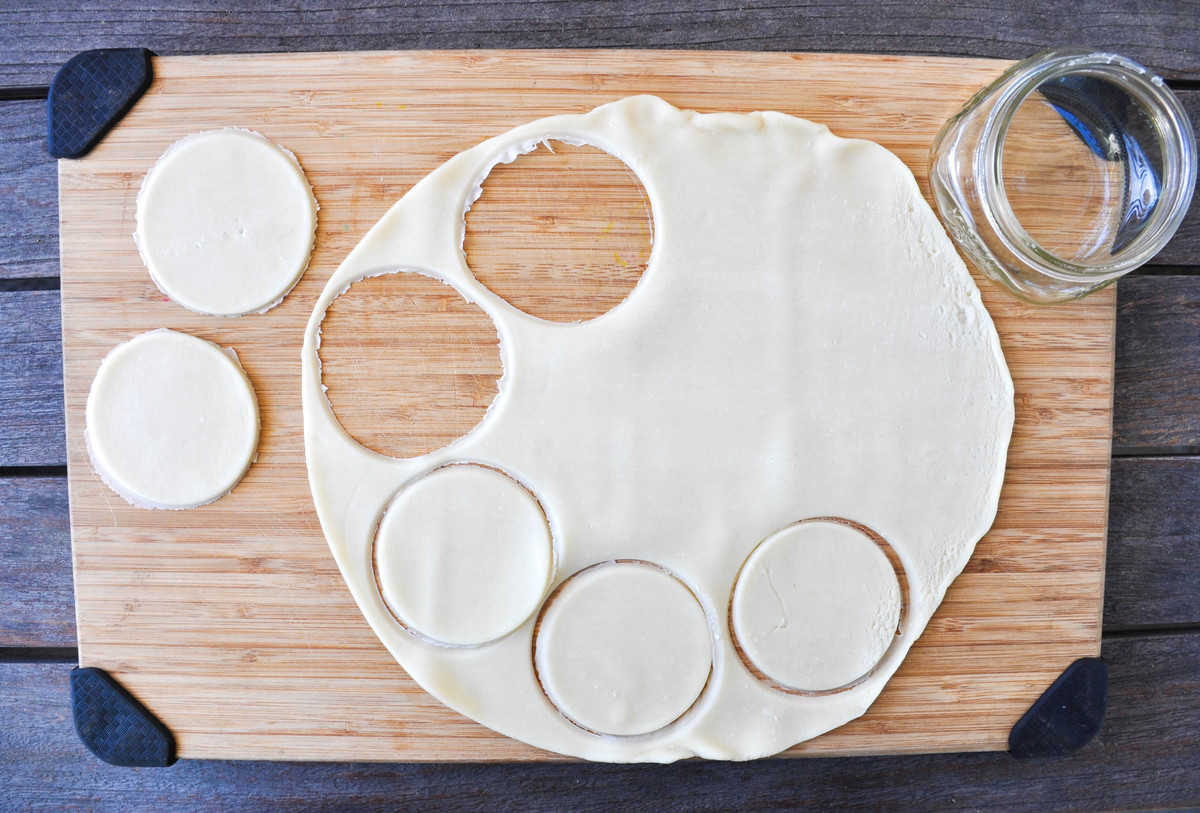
[231, 621]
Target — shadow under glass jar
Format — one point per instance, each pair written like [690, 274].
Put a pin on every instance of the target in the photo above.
[1070, 170]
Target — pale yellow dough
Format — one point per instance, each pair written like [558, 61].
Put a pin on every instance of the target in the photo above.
[226, 222]
[171, 420]
[804, 342]
[623, 649]
[465, 536]
[816, 606]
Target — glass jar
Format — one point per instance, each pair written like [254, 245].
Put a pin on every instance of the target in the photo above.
[1070, 170]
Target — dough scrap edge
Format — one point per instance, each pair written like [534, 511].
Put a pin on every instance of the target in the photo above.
[458, 172]
[312, 197]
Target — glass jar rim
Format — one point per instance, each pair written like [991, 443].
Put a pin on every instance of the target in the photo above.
[1179, 153]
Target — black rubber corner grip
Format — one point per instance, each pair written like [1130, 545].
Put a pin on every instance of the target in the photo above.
[1067, 715]
[114, 725]
[89, 96]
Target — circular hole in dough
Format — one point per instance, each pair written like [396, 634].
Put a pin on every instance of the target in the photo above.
[623, 648]
[408, 364]
[463, 555]
[172, 421]
[226, 222]
[562, 233]
[816, 606]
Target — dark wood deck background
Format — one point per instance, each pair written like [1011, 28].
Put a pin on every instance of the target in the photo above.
[1148, 754]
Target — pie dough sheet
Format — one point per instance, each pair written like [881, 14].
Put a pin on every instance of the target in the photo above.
[171, 420]
[804, 342]
[226, 222]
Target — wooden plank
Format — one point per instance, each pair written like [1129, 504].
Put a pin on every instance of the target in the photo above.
[31, 398]
[1158, 372]
[1150, 578]
[1141, 313]
[29, 197]
[220, 599]
[37, 603]
[1154, 533]
[35, 40]
[1184, 248]
[1145, 757]
[1153, 408]
[1157, 382]
[1158, 364]
[28, 194]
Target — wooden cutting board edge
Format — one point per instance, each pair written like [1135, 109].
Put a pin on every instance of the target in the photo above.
[105, 652]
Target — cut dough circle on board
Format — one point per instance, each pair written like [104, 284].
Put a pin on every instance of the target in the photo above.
[463, 555]
[171, 420]
[804, 342]
[226, 222]
[623, 648]
[816, 606]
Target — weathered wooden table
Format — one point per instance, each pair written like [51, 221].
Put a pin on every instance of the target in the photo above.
[1148, 753]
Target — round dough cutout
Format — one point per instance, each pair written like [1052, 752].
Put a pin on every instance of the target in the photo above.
[226, 222]
[172, 420]
[463, 556]
[816, 606]
[623, 648]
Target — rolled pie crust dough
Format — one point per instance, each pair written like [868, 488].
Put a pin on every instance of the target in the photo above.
[226, 222]
[171, 420]
[804, 342]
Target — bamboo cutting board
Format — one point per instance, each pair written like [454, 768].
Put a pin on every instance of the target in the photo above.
[231, 621]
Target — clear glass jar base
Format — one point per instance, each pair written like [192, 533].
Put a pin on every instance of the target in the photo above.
[1031, 287]
[1067, 172]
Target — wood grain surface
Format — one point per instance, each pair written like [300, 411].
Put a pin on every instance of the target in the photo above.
[409, 364]
[231, 621]
[1153, 540]
[35, 579]
[562, 233]
[1158, 375]
[31, 431]
[1151, 569]
[1143, 758]
[1158, 387]
[37, 37]
[28, 194]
